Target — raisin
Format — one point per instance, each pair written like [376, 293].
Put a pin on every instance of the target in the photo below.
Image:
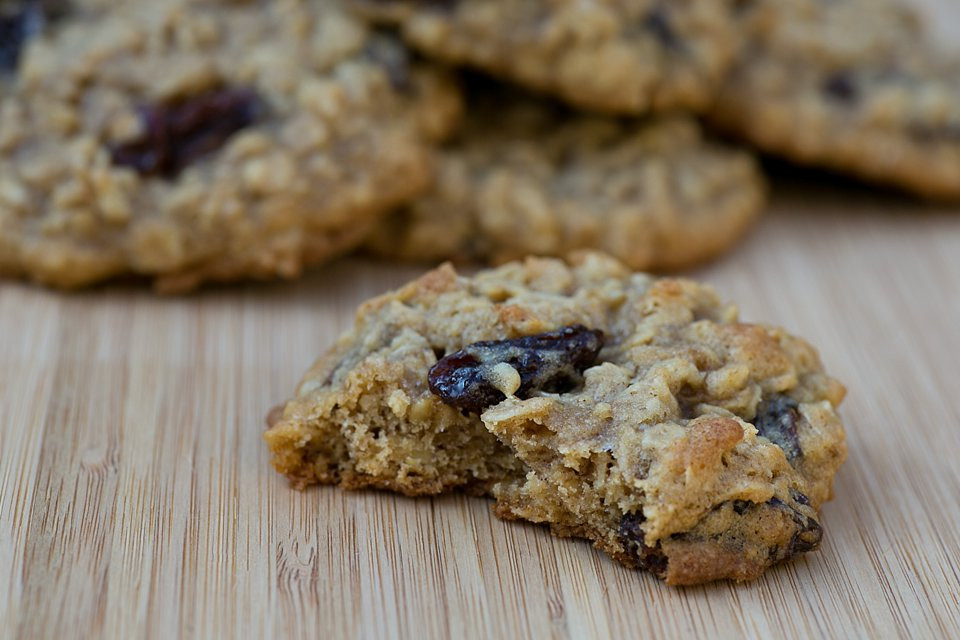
[177, 133]
[387, 51]
[809, 532]
[740, 506]
[19, 21]
[841, 87]
[552, 362]
[659, 25]
[777, 418]
[631, 537]
[808, 538]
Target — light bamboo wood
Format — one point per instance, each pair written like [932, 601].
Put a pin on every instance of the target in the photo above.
[136, 499]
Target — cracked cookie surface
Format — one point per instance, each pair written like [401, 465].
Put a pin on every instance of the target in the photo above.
[616, 56]
[190, 141]
[676, 438]
[849, 85]
[524, 176]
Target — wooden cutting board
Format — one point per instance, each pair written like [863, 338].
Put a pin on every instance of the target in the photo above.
[136, 497]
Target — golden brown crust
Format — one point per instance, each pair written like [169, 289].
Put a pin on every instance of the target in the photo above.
[696, 447]
[703, 446]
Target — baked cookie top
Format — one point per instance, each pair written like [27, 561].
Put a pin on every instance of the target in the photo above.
[525, 176]
[851, 85]
[189, 141]
[639, 413]
[621, 56]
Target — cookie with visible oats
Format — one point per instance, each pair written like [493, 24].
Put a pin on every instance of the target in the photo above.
[635, 412]
[190, 141]
[850, 85]
[619, 56]
[527, 177]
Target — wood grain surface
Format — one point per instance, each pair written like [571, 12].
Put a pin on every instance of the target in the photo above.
[136, 499]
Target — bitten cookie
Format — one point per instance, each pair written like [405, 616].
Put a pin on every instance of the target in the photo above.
[190, 141]
[635, 412]
[526, 177]
[850, 85]
[618, 56]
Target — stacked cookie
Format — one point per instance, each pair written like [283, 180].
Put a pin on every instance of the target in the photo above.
[526, 176]
[851, 85]
[191, 141]
[636, 177]
[211, 140]
[848, 85]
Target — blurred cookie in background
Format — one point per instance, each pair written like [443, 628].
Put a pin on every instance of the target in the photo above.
[193, 141]
[614, 56]
[851, 85]
[526, 176]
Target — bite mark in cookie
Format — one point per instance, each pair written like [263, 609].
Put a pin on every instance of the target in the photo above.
[494, 384]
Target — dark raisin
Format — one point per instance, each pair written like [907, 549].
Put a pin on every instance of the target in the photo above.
[551, 362]
[631, 537]
[740, 506]
[659, 25]
[841, 87]
[177, 133]
[387, 51]
[19, 21]
[799, 497]
[809, 532]
[808, 538]
[777, 419]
